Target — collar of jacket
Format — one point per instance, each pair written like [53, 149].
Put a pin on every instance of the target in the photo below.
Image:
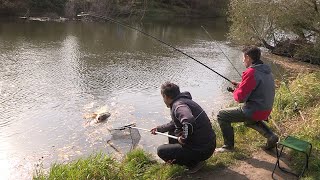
[257, 62]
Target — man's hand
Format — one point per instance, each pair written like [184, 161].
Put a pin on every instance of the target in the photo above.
[234, 83]
[153, 131]
[180, 140]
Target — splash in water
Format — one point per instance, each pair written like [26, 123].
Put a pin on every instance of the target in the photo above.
[101, 115]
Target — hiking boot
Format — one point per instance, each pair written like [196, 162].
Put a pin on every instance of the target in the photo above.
[271, 142]
[196, 168]
[224, 148]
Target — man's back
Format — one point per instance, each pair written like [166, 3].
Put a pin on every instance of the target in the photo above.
[203, 136]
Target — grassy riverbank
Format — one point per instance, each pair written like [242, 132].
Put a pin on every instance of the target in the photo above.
[136, 165]
[305, 90]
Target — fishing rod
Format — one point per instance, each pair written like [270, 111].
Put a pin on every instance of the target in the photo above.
[133, 126]
[163, 134]
[153, 37]
[221, 50]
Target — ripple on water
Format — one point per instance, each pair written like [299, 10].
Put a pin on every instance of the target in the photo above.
[4, 123]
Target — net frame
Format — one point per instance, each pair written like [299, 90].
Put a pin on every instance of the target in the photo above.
[122, 133]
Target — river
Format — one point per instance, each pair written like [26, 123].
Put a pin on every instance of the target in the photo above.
[53, 74]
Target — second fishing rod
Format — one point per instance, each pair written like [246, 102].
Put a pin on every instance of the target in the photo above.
[153, 37]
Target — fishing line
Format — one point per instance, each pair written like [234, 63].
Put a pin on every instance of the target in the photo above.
[155, 38]
[221, 50]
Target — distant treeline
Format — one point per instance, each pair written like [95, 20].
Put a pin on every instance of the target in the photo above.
[70, 8]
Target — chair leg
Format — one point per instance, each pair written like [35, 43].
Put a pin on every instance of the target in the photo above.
[278, 160]
[281, 168]
[279, 152]
[305, 166]
[284, 169]
[307, 161]
[309, 153]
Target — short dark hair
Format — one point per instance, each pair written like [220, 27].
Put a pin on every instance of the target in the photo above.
[170, 89]
[253, 52]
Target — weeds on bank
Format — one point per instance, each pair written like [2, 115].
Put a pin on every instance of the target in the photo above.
[305, 91]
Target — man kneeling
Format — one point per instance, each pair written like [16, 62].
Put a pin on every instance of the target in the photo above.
[196, 138]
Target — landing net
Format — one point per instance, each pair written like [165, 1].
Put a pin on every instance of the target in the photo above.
[124, 140]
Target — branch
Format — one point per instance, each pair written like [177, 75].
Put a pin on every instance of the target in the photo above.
[266, 45]
[264, 42]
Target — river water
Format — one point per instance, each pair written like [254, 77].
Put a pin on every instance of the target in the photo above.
[53, 74]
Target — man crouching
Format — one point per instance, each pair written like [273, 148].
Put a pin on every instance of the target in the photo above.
[196, 138]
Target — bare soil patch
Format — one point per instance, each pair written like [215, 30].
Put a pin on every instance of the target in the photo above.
[259, 166]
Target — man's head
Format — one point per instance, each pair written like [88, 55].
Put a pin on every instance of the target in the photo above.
[251, 55]
[169, 91]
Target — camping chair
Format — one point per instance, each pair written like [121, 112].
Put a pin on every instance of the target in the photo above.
[297, 145]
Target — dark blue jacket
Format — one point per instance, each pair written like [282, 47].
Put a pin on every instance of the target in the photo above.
[192, 122]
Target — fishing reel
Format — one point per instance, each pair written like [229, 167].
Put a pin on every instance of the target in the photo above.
[230, 89]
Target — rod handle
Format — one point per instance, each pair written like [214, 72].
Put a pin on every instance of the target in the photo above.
[163, 134]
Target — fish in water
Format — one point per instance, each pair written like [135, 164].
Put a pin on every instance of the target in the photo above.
[98, 117]
[103, 117]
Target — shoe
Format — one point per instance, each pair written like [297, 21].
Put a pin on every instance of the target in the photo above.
[271, 142]
[196, 168]
[224, 148]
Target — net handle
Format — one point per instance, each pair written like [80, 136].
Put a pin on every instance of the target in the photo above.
[163, 134]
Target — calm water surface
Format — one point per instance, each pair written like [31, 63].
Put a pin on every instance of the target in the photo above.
[52, 74]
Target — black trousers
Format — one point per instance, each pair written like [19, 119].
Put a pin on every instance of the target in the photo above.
[181, 155]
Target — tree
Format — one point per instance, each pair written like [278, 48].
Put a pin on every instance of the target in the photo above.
[13, 6]
[48, 6]
[286, 27]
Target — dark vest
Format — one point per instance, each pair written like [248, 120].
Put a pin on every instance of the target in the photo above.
[203, 137]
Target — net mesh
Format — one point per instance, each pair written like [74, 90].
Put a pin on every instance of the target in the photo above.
[124, 140]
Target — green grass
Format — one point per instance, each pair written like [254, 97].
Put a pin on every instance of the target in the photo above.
[305, 90]
[136, 165]
[243, 151]
[96, 166]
